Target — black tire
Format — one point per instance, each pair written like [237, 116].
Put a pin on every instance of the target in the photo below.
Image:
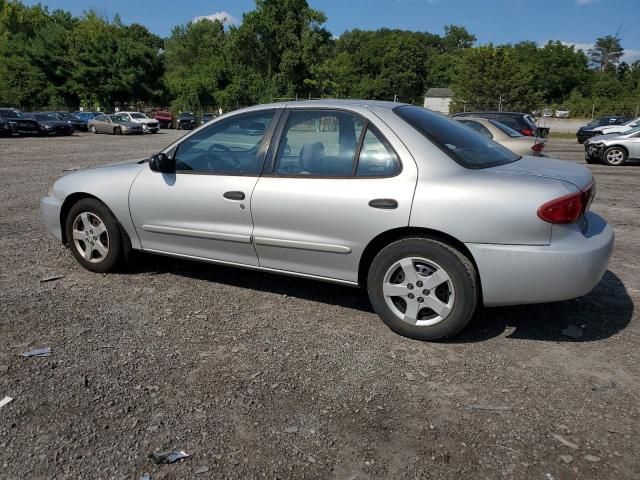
[117, 131]
[178, 126]
[115, 252]
[460, 270]
[614, 156]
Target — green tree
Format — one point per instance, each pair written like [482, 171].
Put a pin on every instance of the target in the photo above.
[606, 53]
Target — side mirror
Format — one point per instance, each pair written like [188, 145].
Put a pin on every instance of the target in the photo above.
[162, 163]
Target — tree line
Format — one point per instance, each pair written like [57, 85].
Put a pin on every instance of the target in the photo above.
[282, 50]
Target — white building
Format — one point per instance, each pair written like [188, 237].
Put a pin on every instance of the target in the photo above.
[438, 100]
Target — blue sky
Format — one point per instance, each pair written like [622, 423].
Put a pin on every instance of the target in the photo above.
[497, 21]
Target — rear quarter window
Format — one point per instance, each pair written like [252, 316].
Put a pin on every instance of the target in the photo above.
[465, 146]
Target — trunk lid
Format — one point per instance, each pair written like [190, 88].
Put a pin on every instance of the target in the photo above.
[577, 175]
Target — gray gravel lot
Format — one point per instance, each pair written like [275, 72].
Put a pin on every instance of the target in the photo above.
[257, 375]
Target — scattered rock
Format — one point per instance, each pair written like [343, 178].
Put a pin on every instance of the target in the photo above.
[592, 458]
[410, 376]
[496, 408]
[572, 331]
[566, 458]
[291, 430]
[202, 469]
[38, 352]
[168, 456]
[5, 401]
[564, 441]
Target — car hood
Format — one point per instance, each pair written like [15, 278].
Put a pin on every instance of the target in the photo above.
[53, 123]
[576, 175]
[602, 138]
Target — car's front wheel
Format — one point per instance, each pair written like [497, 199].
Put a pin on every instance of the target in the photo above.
[93, 235]
[614, 156]
[423, 288]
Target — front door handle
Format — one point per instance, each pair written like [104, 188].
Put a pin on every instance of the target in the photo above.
[234, 195]
[384, 203]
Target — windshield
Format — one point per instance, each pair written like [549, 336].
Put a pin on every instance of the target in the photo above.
[46, 117]
[467, 147]
[508, 130]
[7, 113]
[632, 122]
[632, 132]
[186, 115]
[138, 115]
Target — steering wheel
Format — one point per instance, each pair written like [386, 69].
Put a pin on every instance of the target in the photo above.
[228, 152]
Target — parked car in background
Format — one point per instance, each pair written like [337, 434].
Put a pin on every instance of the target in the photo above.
[76, 122]
[87, 115]
[115, 124]
[547, 113]
[149, 125]
[625, 127]
[19, 123]
[521, 122]
[428, 215]
[186, 121]
[50, 123]
[207, 117]
[590, 128]
[506, 136]
[165, 119]
[562, 113]
[614, 149]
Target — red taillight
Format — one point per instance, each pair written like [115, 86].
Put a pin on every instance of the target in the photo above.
[527, 131]
[538, 147]
[567, 209]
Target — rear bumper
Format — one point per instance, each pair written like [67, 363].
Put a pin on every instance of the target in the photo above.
[50, 213]
[571, 266]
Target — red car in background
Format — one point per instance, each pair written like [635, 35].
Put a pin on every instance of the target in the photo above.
[165, 119]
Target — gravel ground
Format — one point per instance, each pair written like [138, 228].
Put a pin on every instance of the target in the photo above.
[257, 375]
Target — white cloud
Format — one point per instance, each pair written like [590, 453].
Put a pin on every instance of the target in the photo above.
[222, 16]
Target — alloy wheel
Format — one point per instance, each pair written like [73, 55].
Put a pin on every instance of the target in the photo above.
[90, 237]
[615, 156]
[418, 291]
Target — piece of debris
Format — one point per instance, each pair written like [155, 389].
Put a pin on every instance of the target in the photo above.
[548, 476]
[146, 476]
[572, 331]
[566, 458]
[605, 386]
[410, 376]
[5, 401]
[496, 408]
[38, 352]
[564, 441]
[51, 278]
[592, 458]
[71, 169]
[202, 469]
[168, 456]
[291, 430]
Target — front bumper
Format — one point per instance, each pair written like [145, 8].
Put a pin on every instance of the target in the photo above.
[593, 152]
[569, 267]
[50, 213]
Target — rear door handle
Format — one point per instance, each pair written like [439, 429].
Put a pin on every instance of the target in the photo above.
[384, 203]
[234, 195]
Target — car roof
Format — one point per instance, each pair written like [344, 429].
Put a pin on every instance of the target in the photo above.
[469, 114]
[328, 103]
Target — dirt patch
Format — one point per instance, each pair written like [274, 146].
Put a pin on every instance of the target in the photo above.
[255, 374]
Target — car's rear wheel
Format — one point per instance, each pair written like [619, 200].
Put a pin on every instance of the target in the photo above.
[117, 131]
[92, 129]
[94, 236]
[422, 288]
[614, 156]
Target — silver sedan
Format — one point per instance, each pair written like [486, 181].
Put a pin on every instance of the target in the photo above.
[613, 149]
[429, 216]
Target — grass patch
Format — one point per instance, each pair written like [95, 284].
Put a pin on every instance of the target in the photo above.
[562, 135]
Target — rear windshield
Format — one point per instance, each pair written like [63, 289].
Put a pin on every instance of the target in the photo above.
[505, 129]
[467, 147]
[138, 115]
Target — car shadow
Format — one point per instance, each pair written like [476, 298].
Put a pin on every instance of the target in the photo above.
[605, 311]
